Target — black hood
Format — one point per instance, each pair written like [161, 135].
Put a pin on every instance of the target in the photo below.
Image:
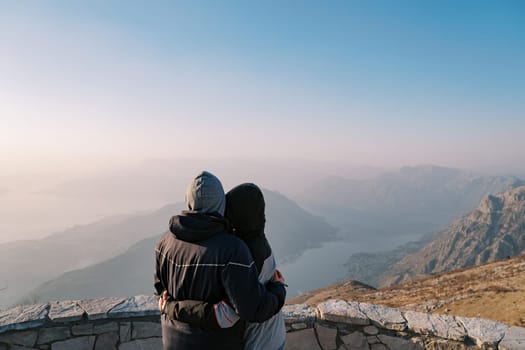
[245, 211]
[192, 226]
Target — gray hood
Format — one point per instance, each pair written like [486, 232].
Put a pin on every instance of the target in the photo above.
[206, 195]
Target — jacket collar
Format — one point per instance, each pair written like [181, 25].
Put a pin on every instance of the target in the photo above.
[193, 226]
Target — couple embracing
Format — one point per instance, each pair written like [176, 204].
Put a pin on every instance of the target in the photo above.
[216, 275]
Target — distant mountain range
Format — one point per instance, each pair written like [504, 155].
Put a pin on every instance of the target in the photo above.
[495, 230]
[114, 257]
[407, 203]
[165, 179]
[290, 230]
[26, 264]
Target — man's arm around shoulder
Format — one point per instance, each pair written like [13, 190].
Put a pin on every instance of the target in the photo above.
[253, 301]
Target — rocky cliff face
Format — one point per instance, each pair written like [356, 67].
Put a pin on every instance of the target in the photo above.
[495, 230]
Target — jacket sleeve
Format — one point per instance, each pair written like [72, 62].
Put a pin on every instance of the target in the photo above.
[194, 312]
[253, 301]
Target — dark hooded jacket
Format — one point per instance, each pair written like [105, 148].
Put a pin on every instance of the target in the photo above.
[245, 211]
[199, 260]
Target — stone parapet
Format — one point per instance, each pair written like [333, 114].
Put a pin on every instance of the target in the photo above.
[134, 323]
[341, 324]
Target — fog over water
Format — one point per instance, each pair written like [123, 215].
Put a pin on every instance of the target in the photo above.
[319, 267]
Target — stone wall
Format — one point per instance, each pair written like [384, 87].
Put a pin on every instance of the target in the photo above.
[339, 325]
[134, 323]
[109, 323]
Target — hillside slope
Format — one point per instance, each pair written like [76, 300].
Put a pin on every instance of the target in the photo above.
[495, 230]
[494, 291]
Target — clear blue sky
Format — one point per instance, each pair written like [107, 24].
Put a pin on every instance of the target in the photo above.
[370, 82]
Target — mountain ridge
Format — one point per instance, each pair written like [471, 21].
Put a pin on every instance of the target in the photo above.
[414, 200]
[494, 230]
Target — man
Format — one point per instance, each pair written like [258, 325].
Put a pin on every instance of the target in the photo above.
[199, 260]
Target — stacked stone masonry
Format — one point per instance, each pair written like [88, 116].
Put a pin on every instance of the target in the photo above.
[134, 323]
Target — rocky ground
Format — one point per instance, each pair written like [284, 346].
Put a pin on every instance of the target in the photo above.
[493, 291]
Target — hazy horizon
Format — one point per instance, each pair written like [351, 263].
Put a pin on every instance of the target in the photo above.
[34, 210]
[93, 92]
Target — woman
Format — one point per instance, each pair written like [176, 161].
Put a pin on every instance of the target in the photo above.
[245, 213]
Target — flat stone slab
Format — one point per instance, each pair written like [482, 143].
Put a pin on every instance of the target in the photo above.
[18, 347]
[98, 308]
[485, 333]
[82, 329]
[446, 326]
[23, 338]
[398, 343]
[514, 339]
[384, 317]
[443, 326]
[111, 326]
[371, 330]
[302, 340]
[65, 311]
[80, 343]
[23, 317]
[146, 330]
[372, 339]
[342, 311]
[125, 332]
[299, 313]
[355, 340]
[48, 335]
[418, 322]
[140, 305]
[142, 344]
[107, 341]
[299, 326]
[327, 337]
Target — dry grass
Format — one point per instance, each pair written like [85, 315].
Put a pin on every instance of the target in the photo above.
[493, 291]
